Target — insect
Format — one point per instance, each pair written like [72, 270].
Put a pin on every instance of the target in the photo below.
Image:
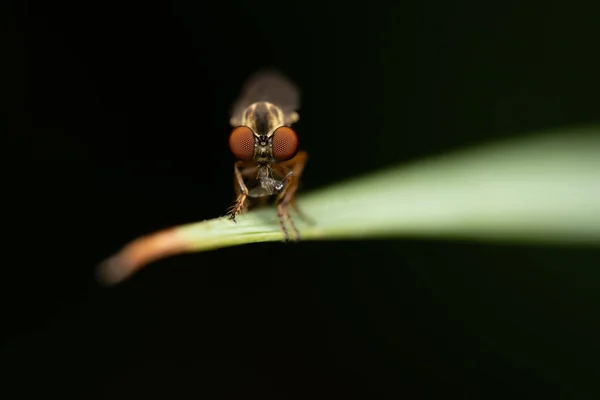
[269, 163]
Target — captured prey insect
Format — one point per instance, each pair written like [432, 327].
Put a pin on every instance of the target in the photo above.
[269, 163]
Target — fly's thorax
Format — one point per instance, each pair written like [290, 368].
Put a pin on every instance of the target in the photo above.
[263, 118]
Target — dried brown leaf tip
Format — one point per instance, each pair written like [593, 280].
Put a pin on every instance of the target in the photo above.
[138, 253]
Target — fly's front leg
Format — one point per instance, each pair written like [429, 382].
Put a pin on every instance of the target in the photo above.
[283, 214]
[296, 165]
[241, 191]
[287, 195]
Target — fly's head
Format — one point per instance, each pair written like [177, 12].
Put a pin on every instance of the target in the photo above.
[262, 136]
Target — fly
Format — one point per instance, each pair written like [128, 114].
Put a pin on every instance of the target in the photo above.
[269, 162]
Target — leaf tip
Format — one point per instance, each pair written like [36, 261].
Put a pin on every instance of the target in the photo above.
[111, 271]
[138, 253]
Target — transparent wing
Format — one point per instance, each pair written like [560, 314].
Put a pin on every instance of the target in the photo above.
[267, 85]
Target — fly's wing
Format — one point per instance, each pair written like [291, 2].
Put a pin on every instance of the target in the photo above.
[267, 85]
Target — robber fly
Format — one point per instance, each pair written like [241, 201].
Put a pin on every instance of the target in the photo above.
[269, 163]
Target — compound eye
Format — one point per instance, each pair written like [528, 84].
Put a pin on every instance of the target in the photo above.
[285, 143]
[241, 143]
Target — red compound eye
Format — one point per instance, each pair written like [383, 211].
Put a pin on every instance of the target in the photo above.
[285, 143]
[241, 143]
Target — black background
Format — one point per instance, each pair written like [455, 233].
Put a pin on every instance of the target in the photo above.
[115, 125]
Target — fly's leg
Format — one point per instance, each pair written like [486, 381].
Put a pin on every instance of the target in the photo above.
[286, 197]
[241, 191]
[297, 166]
[292, 201]
[282, 214]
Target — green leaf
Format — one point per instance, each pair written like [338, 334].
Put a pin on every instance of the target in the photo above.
[544, 188]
